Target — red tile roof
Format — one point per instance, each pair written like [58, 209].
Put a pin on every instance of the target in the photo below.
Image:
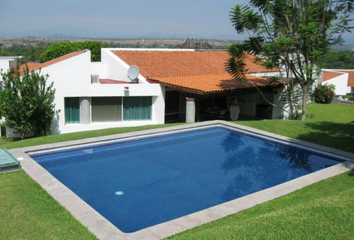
[154, 64]
[202, 72]
[32, 66]
[328, 75]
[211, 83]
[112, 81]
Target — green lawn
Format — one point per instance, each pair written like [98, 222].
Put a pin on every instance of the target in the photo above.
[74, 136]
[321, 211]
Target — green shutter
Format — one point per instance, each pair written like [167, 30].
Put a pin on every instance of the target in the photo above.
[137, 108]
[72, 110]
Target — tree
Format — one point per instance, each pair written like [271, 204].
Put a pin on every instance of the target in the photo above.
[33, 52]
[337, 60]
[291, 35]
[26, 102]
[195, 44]
[59, 49]
[29, 52]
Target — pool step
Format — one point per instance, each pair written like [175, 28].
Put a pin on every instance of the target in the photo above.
[8, 163]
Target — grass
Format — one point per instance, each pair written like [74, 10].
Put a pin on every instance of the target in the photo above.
[28, 212]
[8, 143]
[321, 211]
[326, 124]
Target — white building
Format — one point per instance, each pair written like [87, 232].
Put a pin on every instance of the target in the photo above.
[343, 80]
[97, 95]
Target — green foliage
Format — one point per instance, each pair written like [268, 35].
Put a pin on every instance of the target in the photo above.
[29, 53]
[26, 102]
[337, 60]
[291, 35]
[324, 93]
[56, 50]
[32, 53]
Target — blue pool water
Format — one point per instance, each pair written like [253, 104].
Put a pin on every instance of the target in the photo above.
[138, 184]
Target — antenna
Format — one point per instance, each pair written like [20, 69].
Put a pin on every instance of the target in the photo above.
[133, 73]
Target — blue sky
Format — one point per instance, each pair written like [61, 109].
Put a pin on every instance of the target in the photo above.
[117, 18]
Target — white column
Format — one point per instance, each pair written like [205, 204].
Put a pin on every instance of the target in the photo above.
[190, 110]
[85, 110]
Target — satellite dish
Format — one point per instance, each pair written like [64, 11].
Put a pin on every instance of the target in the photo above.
[133, 72]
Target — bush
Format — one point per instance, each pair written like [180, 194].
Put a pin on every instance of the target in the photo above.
[26, 102]
[59, 49]
[324, 93]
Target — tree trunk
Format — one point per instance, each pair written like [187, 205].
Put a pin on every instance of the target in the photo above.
[305, 91]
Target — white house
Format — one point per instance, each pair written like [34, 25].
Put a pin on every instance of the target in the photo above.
[97, 95]
[342, 79]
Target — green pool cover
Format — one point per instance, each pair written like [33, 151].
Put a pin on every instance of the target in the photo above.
[8, 162]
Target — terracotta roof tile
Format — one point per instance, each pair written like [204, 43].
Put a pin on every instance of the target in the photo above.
[328, 75]
[32, 66]
[153, 64]
[350, 77]
[202, 72]
[112, 81]
[211, 83]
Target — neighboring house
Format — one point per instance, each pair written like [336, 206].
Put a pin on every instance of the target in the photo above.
[342, 79]
[8, 62]
[97, 95]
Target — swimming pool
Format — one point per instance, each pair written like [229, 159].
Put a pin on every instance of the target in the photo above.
[140, 182]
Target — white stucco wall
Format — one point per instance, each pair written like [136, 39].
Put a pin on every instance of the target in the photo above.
[100, 69]
[4, 65]
[7, 63]
[278, 112]
[116, 68]
[265, 74]
[341, 83]
[72, 78]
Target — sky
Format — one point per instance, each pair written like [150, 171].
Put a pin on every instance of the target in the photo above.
[119, 19]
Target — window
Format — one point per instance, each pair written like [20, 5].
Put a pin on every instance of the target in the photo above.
[106, 109]
[72, 110]
[137, 108]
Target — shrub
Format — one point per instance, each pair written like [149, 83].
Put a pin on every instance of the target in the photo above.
[26, 102]
[324, 93]
[59, 49]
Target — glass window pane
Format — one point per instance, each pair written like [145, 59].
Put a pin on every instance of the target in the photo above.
[106, 109]
[72, 110]
[137, 108]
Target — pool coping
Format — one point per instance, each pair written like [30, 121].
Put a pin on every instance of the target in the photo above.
[105, 230]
